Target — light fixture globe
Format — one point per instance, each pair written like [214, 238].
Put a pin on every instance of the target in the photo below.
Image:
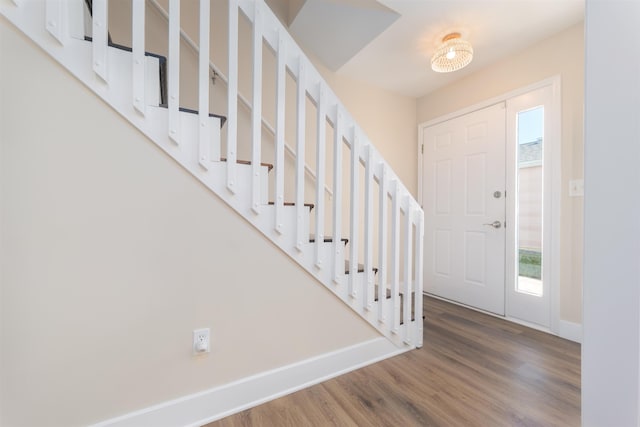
[452, 55]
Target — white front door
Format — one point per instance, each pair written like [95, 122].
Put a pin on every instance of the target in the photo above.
[464, 203]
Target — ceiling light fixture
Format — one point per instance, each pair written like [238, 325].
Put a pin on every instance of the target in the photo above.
[452, 55]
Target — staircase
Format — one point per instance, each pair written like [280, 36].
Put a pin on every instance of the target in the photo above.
[356, 228]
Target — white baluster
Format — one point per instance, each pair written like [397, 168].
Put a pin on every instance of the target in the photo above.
[320, 176]
[174, 70]
[232, 94]
[73, 19]
[408, 300]
[354, 219]
[280, 130]
[55, 19]
[100, 38]
[138, 54]
[418, 287]
[204, 139]
[368, 230]
[338, 263]
[300, 142]
[395, 256]
[256, 111]
[382, 246]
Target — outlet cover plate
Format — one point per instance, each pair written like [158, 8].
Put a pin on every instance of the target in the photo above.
[201, 341]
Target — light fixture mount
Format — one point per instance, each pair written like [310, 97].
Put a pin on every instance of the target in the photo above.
[453, 54]
[451, 36]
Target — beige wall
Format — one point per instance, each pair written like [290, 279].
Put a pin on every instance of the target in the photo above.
[388, 119]
[560, 55]
[111, 254]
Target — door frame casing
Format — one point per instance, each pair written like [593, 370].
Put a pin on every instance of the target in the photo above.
[555, 192]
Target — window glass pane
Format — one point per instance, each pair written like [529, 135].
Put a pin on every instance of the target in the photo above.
[530, 198]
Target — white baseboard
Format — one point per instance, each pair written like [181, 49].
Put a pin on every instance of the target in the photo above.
[210, 405]
[570, 331]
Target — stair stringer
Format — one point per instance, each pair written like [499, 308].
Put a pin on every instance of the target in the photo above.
[75, 55]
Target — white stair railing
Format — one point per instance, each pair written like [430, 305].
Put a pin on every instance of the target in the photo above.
[173, 77]
[139, 64]
[392, 221]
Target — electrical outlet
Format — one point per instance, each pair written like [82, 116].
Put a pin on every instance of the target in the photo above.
[201, 341]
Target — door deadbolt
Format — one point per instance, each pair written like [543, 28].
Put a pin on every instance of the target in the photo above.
[497, 194]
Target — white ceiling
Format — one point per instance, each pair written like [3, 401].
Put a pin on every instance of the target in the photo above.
[399, 58]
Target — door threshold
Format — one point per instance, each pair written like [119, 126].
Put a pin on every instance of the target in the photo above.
[499, 316]
[529, 324]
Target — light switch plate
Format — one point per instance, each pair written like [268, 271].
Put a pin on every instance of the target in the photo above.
[576, 188]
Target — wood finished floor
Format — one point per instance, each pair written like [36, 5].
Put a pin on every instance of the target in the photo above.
[474, 370]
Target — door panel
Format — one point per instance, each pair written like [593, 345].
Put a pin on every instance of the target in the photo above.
[475, 246]
[443, 253]
[464, 166]
[475, 185]
[443, 187]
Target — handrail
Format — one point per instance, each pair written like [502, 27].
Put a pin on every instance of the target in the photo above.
[243, 101]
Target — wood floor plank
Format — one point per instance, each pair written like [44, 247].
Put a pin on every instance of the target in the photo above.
[474, 370]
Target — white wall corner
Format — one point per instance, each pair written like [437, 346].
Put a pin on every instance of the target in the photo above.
[570, 330]
[211, 405]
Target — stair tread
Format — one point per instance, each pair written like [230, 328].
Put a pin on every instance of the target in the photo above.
[163, 60]
[127, 48]
[309, 205]
[388, 296]
[327, 239]
[223, 119]
[360, 268]
[248, 162]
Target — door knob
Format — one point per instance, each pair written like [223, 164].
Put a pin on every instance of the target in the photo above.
[495, 224]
